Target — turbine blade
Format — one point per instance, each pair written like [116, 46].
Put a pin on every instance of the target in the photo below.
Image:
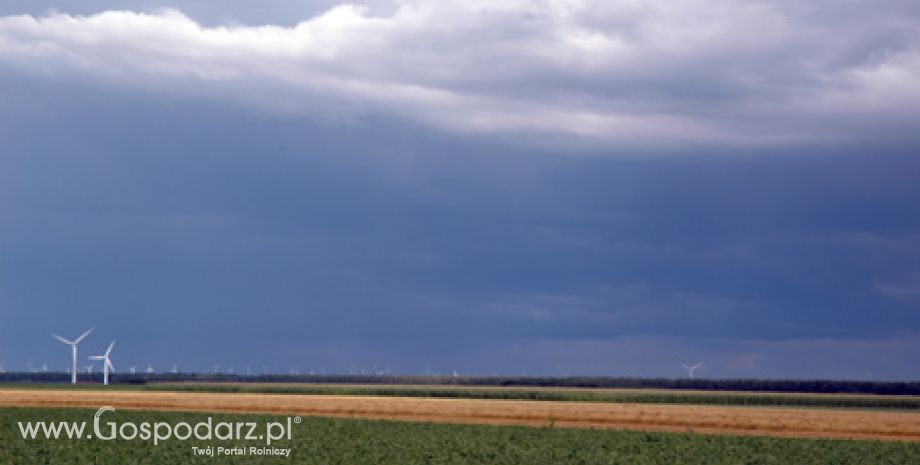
[109, 350]
[109, 363]
[65, 341]
[77, 341]
[96, 357]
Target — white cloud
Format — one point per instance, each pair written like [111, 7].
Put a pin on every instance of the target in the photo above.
[624, 73]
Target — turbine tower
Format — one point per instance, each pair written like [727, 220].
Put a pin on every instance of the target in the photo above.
[149, 370]
[691, 368]
[106, 363]
[133, 369]
[73, 347]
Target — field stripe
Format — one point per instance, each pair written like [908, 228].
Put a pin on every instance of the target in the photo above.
[761, 421]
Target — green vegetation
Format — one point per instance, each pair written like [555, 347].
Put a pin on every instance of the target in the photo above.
[569, 395]
[357, 442]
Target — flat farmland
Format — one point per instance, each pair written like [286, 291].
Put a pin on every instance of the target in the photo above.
[317, 440]
[568, 394]
[731, 420]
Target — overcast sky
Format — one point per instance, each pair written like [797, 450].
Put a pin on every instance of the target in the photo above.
[540, 187]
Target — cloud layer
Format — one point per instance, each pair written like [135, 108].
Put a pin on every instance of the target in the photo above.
[313, 245]
[658, 73]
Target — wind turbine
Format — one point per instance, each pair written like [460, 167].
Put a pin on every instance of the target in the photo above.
[149, 369]
[89, 369]
[45, 367]
[133, 369]
[175, 369]
[691, 368]
[106, 363]
[73, 347]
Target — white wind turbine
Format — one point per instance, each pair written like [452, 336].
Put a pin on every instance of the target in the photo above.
[133, 369]
[73, 347]
[45, 367]
[149, 370]
[106, 363]
[691, 368]
[175, 369]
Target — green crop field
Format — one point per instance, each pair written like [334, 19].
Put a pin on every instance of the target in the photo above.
[356, 442]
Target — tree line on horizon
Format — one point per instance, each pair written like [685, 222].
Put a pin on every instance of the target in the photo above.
[817, 386]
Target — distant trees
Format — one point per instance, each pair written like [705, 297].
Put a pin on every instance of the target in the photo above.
[753, 385]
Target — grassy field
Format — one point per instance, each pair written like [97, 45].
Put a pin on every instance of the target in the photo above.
[355, 442]
[648, 396]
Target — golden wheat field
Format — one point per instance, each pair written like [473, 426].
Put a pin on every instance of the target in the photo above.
[766, 421]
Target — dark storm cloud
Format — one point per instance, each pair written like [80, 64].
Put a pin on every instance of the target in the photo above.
[191, 228]
[556, 187]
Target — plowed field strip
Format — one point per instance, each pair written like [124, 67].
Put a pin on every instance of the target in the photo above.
[782, 422]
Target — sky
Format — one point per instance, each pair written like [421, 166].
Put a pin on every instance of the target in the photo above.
[554, 187]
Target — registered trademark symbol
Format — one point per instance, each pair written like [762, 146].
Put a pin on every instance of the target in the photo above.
[297, 420]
